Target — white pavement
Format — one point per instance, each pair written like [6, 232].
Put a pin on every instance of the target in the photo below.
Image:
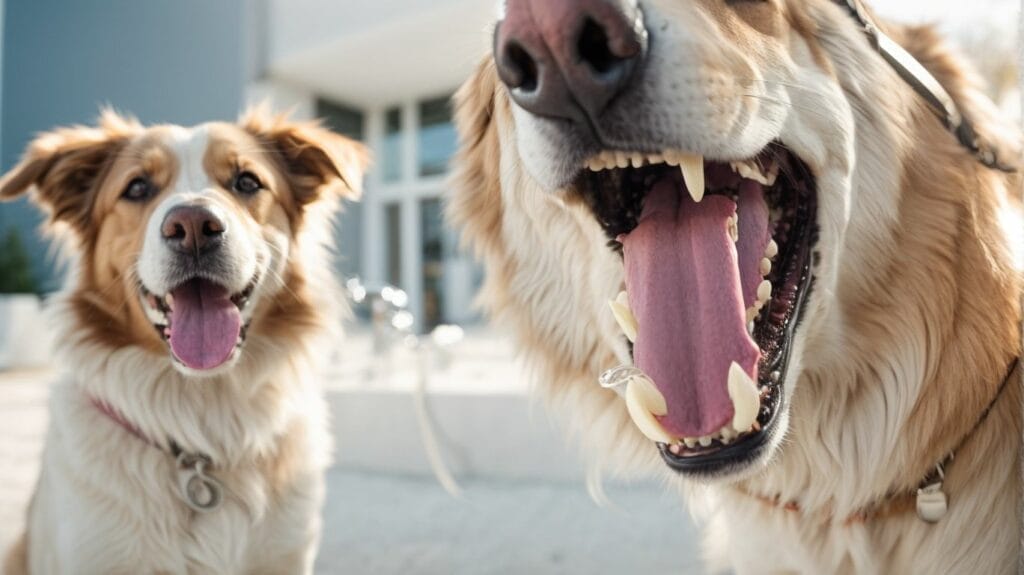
[524, 507]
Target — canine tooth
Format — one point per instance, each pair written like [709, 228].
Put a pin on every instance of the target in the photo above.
[692, 167]
[764, 291]
[705, 441]
[766, 266]
[771, 250]
[746, 401]
[644, 402]
[624, 316]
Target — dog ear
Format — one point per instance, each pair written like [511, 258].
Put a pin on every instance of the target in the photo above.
[316, 159]
[964, 84]
[63, 166]
[474, 204]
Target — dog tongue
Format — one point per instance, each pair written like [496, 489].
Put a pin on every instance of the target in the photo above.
[205, 324]
[685, 290]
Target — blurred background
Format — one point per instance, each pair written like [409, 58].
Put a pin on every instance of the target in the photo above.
[381, 72]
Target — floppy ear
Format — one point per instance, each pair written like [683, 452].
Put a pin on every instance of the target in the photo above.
[64, 165]
[967, 88]
[316, 159]
[474, 203]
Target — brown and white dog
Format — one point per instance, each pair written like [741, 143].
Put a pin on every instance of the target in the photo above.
[815, 285]
[188, 430]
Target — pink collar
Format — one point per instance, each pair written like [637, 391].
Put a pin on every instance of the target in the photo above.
[117, 417]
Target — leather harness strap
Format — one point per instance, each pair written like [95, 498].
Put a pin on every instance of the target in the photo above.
[928, 87]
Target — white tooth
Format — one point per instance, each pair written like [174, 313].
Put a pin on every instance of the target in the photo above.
[746, 401]
[771, 250]
[750, 325]
[727, 433]
[644, 402]
[764, 291]
[766, 266]
[672, 158]
[621, 160]
[751, 313]
[655, 159]
[690, 442]
[692, 168]
[705, 441]
[624, 316]
[636, 161]
[734, 227]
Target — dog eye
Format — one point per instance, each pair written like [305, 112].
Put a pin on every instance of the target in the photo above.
[139, 190]
[247, 183]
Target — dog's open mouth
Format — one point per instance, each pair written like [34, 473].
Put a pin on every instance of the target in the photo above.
[717, 260]
[200, 320]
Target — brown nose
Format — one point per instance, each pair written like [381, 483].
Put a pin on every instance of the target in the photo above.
[569, 58]
[193, 229]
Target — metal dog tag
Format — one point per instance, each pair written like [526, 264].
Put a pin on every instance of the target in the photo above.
[931, 503]
[201, 492]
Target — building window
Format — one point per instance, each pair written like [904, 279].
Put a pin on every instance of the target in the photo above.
[391, 146]
[437, 138]
[340, 118]
[433, 249]
[393, 229]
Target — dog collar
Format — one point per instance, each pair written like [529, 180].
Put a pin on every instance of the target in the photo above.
[929, 499]
[196, 487]
[927, 86]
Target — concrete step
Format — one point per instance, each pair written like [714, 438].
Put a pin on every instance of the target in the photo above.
[479, 408]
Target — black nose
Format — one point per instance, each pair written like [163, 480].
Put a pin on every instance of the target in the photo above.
[193, 230]
[569, 58]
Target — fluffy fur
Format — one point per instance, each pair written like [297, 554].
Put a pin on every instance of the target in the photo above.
[910, 328]
[106, 501]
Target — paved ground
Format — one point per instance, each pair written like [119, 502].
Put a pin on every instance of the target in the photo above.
[386, 523]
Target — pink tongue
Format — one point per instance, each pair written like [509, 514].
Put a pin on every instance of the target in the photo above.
[205, 324]
[686, 292]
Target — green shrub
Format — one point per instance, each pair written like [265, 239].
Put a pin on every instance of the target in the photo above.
[15, 267]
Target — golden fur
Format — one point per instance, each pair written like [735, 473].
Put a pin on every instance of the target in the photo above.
[908, 336]
[260, 419]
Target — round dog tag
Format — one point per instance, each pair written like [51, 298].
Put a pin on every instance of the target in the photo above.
[201, 492]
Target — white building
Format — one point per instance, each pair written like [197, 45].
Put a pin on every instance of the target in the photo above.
[384, 72]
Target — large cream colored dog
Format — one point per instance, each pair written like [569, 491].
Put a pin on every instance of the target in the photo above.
[188, 431]
[814, 286]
